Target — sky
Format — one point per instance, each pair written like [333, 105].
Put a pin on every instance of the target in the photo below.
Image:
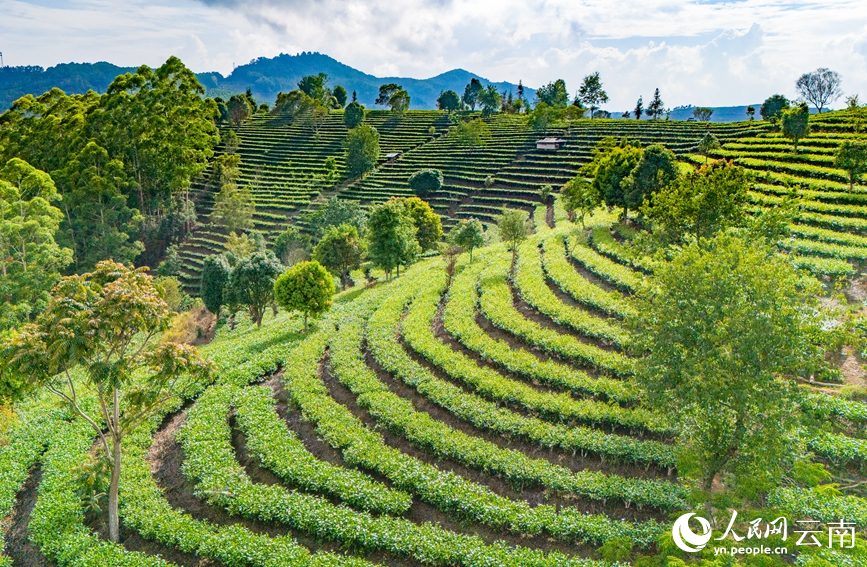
[700, 52]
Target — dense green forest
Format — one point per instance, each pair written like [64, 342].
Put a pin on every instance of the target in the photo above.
[506, 332]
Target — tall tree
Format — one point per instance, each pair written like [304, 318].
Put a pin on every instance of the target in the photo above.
[639, 108]
[362, 150]
[554, 94]
[215, 277]
[429, 228]
[851, 156]
[795, 124]
[391, 236]
[449, 101]
[353, 116]
[239, 110]
[591, 92]
[701, 203]
[30, 258]
[702, 113]
[471, 134]
[656, 108]
[315, 86]
[292, 246]
[609, 168]
[340, 96]
[489, 100]
[656, 168]
[580, 197]
[340, 250]
[513, 224]
[471, 93]
[334, 213]
[399, 102]
[252, 283]
[707, 144]
[469, 234]
[820, 87]
[105, 323]
[751, 112]
[723, 330]
[234, 207]
[773, 107]
[97, 224]
[386, 92]
[306, 287]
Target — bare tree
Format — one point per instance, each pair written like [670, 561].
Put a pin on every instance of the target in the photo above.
[820, 87]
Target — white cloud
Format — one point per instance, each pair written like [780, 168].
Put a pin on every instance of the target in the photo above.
[709, 53]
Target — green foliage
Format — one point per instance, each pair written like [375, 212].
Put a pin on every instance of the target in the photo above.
[215, 277]
[553, 94]
[240, 247]
[471, 134]
[851, 157]
[513, 225]
[104, 324]
[656, 108]
[469, 234]
[252, 283]
[707, 144]
[240, 109]
[616, 549]
[449, 101]
[471, 93]
[751, 112]
[429, 228]
[340, 250]
[722, 328]
[31, 258]
[610, 168]
[700, 203]
[795, 123]
[395, 97]
[306, 287]
[362, 150]
[292, 246]
[353, 116]
[171, 265]
[639, 108]
[234, 207]
[315, 86]
[591, 93]
[425, 181]
[580, 196]
[391, 236]
[334, 213]
[155, 127]
[772, 108]
[98, 224]
[340, 96]
[702, 113]
[490, 100]
[656, 169]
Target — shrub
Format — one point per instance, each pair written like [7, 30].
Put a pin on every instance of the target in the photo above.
[426, 181]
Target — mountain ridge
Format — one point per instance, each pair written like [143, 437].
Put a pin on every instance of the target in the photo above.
[264, 76]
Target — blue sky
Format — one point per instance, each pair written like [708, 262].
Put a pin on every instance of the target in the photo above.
[697, 52]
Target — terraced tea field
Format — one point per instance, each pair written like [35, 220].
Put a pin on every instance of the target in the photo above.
[493, 421]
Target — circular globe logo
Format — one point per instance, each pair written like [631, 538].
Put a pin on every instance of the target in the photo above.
[685, 538]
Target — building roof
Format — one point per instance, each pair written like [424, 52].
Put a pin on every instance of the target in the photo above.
[550, 141]
[392, 155]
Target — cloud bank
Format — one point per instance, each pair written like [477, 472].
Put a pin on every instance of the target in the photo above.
[696, 52]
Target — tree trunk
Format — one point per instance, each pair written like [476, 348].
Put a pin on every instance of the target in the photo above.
[305, 322]
[113, 521]
[707, 486]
